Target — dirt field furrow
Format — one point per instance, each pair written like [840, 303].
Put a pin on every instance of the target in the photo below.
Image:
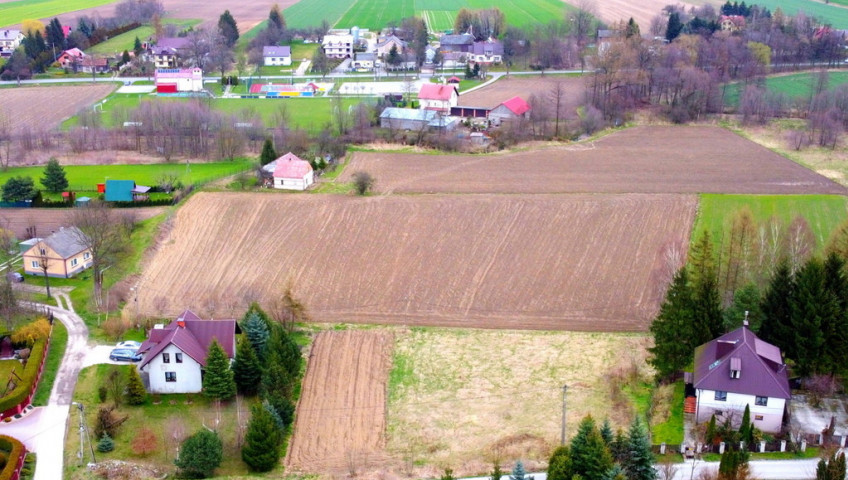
[341, 415]
[39, 108]
[494, 261]
[635, 160]
[48, 220]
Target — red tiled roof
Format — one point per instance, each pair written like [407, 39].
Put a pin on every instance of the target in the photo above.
[192, 335]
[517, 105]
[290, 166]
[762, 372]
[434, 91]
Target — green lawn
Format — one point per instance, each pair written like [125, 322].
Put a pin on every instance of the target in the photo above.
[670, 431]
[86, 177]
[12, 13]
[51, 366]
[126, 40]
[831, 14]
[310, 13]
[437, 20]
[797, 86]
[823, 212]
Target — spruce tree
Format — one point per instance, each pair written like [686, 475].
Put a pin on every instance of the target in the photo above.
[618, 448]
[246, 369]
[200, 455]
[590, 457]
[814, 313]
[54, 179]
[615, 473]
[136, 394]
[497, 473]
[732, 464]
[674, 27]
[518, 472]
[268, 154]
[228, 28]
[256, 331]
[282, 349]
[606, 432]
[261, 450]
[710, 432]
[105, 444]
[832, 468]
[673, 346]
[746, 429]
[639, 462]
[632, 29]
[137, 49]
[218, 382]
[707, 316]
[18, 189]
[276, 19]
[746, 299]
[559, 466]
[276, 381]
[836, 340]
[776, 325]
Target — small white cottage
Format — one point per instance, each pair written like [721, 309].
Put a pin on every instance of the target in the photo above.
[292, 173]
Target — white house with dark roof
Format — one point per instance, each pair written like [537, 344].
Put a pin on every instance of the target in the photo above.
[338, 46]
[174, 356]
[275, 56]
[292, 173]
[739, 369]
[9, 40]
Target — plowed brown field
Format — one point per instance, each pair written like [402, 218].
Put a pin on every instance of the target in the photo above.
[46, 107]
[564, 262]
[507, 87]
[341, 415]
[47, 220]
[635, 160]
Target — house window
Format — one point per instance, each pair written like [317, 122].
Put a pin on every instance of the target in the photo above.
[720, 396]
[170, 376]
[762, 401]
[178, 357]
[74, 262]
[43, 251]
[35, 264]
[166, 358]
[758, 417]
[86, 256]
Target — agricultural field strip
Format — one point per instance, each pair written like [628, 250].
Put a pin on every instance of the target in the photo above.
[658, 160]
[492, 261]
[50, 219]
[12, 13]
[46, 107]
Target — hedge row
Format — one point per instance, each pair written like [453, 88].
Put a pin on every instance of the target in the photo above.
[24, 388]
[16, 451]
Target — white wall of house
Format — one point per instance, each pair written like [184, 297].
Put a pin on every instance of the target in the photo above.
[294, 183]
[277, 61]
[188, 379]
[440, 105]
[768, 418]
[486, 58]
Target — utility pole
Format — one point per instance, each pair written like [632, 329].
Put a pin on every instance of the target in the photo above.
[562, 433]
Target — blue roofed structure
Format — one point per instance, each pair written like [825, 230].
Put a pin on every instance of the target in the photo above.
[119, 190]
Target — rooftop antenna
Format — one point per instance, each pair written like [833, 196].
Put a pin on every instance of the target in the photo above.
[745, 322]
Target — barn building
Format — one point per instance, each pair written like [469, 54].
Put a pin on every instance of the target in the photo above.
[178, 80]
[511, 109]
[292, 173]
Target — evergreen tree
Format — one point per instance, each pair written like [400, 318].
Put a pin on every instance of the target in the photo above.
[710, 432]
[673, 346]
[18, 189]
[832, 468]
[559, 466]
[776, 325]
[105, 444]
[261, 450]
[448, 475]
[200, 455]
[256, 331]
[638, 464]
[218, 382]
[276, 381]
[276, 19]
[707, 317]
[606, 432]
[518, 472]
[54, 179]
[137, 48]
[394, 58]
[268, 154]
[675, 26]
[836, 340]
[283, 350]
[618, 448]
[814, 313]
[125, 57]
[228, 28]
[746, 428]
[733, 464]
[55, 36]
[136, 394]
[590, 457]
[246, 369]
[281, 425]
[615, 473]
[746, 299]
[632, 29]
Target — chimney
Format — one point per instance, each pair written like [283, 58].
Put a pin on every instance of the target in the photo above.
[180, 323]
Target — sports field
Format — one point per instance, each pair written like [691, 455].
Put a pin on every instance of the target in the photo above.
[795, 86]
[376, 14]
[12, 13]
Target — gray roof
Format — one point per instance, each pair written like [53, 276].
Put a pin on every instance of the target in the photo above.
[66, 242]
[170, 45]
[463, 39]
[9, 34]
[273, 51]
[366, 57]
[408, 114]
[390, 38]
[761, 367]
[493, 46]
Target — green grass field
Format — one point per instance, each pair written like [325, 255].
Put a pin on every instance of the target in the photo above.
[796, 86]
[832, 14]
[126, 40]
[12, 13]
[437, 20]
[310, 13]
[86, 177]
[823, 212]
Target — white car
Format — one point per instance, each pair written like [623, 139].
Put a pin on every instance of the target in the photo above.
[130, 344]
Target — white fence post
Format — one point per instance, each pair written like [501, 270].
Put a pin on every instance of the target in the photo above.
[721, 447]
[783, 445]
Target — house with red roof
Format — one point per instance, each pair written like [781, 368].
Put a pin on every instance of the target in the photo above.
[174, 356]
[511, 109]
[739, 369]
[292, 173]
[438, 97]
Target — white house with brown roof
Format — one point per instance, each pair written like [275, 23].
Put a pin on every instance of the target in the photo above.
[434, 96]
[292, 173]
[739, 369]
[63, 253]
[174, 356]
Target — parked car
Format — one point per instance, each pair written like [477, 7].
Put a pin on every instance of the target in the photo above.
[16, 277]
[124, 355]
[129, 344]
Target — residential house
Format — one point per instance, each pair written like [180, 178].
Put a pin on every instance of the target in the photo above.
[463, 43]
[71, 58]
[338, 46]
[385, 44]
[416, 120]
[166, 52]
[739, 369]
[732, 23]
[408, 61]
[434, 96]
[364, 61]
[274, 56]
[511, 109]
[125, 191]
[292, 173]
[94, 64]
[487, 52]
[9, 40]
[174, 356]
[178, 80]
[62, 252]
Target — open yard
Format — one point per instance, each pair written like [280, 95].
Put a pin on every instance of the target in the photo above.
[341, 416]
[797, 87]
[568, 262]
[635, 160]
[507, 87]
[46, 107]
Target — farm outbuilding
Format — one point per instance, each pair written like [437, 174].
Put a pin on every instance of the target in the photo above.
[511, 109]
[417, 120]
[292, 173]
[178, 80]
